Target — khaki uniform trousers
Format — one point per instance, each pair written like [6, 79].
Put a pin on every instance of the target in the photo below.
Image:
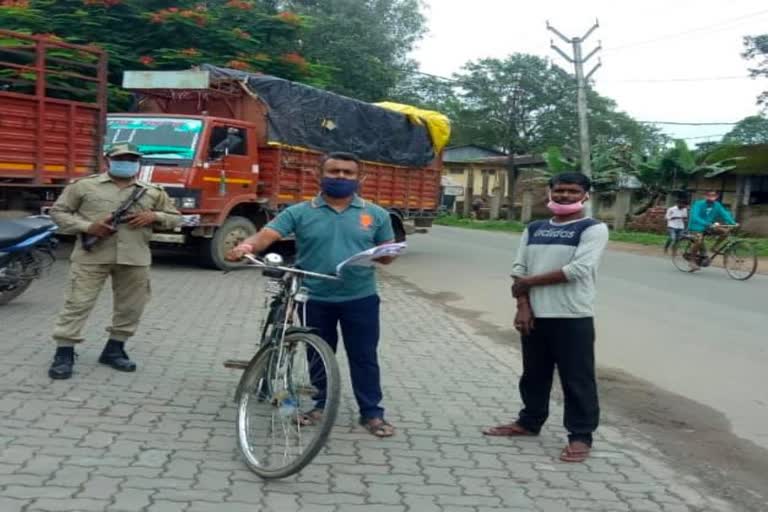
[130, 293]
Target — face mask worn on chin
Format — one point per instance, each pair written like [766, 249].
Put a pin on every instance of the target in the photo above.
[123, 168]
[338, 188]
[566, 209]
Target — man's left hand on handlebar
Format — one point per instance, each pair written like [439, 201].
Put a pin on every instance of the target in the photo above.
[238, 253]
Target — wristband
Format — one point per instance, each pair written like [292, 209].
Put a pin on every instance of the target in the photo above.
[245, 247]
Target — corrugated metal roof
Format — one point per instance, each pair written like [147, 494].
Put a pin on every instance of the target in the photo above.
[469, 153]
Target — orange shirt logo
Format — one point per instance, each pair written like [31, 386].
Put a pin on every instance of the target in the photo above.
[366, 221]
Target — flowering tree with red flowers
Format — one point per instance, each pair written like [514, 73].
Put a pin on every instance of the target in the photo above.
[148, 34]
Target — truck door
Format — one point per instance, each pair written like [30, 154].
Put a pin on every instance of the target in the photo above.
[231, 172]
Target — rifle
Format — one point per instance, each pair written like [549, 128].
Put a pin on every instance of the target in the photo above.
[118, 216]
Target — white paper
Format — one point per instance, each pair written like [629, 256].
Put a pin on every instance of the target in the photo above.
[366, 258]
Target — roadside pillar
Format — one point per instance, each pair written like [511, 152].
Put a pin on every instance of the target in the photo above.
[469, 192]
[526, 212]
[622, 208]
[498, 196]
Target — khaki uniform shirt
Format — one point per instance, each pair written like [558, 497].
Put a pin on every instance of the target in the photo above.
[92, 199]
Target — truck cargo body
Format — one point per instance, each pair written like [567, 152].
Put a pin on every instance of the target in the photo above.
[52, 112]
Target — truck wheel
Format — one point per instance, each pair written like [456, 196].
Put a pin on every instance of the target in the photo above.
[232, 232]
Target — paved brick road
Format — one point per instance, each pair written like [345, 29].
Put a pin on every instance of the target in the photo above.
[162, 439]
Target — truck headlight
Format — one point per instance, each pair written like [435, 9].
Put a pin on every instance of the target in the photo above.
[189, 202]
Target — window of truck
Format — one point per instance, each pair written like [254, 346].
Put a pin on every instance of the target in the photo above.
[227, 140]
[157, 137]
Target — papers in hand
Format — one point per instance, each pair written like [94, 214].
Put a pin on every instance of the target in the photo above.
[366, 258]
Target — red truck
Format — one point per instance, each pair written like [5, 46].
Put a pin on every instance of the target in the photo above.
[53, 107]
[231, 149]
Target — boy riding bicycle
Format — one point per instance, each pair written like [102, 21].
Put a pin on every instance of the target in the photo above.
[704, 218]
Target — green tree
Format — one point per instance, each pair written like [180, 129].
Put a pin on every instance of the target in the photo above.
[750, 130]
[365, 43]
[514, 104]
[670, 170]
[610, 163]
[148, 34]
[522, 104]
[756, 49]
[659, 174]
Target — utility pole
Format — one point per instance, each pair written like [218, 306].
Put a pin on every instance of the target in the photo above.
[578, 61]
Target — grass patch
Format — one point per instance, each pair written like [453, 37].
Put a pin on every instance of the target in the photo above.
[638, 237]
[632, 237]
[487, 225]
[655, 239]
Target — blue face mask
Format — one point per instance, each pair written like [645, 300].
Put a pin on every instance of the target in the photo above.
[338, 187]
[123, 168]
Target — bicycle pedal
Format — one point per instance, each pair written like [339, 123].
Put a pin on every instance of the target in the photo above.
[236, 364]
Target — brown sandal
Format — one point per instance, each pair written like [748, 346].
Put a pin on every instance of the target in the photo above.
[309, 419]
[508, 430]
[378, 427]
[577, 451]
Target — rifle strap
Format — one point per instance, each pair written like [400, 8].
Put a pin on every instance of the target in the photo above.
[136, 194]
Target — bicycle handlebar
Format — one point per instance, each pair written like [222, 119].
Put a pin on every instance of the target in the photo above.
[255, 262]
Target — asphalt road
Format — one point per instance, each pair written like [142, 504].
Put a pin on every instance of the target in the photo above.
[678, 351]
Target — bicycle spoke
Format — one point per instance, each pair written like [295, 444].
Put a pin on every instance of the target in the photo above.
[277, 440]
[740, 260]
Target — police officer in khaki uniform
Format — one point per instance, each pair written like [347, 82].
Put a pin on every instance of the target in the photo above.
[122, 253]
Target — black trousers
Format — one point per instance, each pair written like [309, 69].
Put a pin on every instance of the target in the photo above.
[569, 344]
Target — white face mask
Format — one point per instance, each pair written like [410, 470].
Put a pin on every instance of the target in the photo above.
[123, 168]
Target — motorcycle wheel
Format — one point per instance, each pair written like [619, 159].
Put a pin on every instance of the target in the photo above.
[9, 292]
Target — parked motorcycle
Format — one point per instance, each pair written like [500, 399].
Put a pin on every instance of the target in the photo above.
[26, 250]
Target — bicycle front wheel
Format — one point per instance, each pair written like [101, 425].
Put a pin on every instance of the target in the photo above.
[682, 255]
[740, 261]
[275, 434]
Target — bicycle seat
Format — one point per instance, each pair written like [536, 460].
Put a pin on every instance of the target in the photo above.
[15, 231]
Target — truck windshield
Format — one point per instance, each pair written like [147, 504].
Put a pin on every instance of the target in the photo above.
[158, 137]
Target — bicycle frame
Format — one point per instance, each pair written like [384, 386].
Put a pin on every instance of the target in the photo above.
[719, 247]
[282, 310]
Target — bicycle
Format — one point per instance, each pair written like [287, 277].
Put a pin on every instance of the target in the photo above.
[739, 256]
[280, 385]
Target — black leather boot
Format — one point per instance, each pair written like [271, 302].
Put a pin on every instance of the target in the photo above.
[114, 355]
[63, 362]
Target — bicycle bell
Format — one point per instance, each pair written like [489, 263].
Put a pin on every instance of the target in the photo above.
[273, 260]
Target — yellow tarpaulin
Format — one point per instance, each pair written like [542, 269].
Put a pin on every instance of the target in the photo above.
[438, 125]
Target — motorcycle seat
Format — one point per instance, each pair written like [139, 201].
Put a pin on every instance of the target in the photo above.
[16, 231]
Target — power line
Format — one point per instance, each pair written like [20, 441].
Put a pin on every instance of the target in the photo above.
[666, 80]
[438, 77]
[680, 123]
[705, 136]
[629, 80]
[686, 32]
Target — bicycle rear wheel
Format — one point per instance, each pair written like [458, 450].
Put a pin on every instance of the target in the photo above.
[276, 392]
[740, 260]
[682, 256]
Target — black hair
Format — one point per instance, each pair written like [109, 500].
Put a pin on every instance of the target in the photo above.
[571, 178]
[340, 155]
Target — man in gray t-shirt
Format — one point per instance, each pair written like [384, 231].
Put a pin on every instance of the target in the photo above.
[554, 284]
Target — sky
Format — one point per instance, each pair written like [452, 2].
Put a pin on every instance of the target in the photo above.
[672, 60]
